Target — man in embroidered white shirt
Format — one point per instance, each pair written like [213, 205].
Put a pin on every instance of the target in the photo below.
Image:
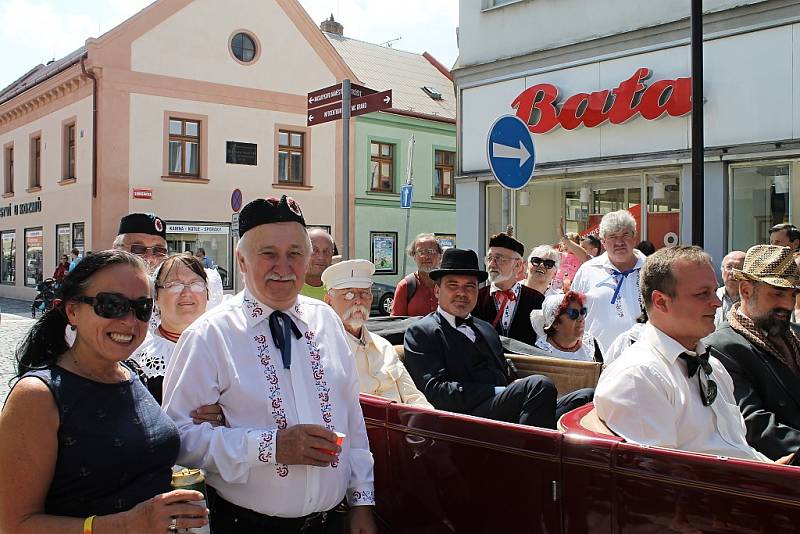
[664, 390]
[611, 280]
[380, 371]
[279, 365]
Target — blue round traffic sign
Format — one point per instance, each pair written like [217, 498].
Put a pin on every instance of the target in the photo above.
[236, 200]
[510, 151]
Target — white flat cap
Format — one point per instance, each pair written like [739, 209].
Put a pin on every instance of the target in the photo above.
[348, 274]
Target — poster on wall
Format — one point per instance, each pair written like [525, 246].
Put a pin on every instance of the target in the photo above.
[34, 239]
[78, 237]
[383, 252]
[446, 241]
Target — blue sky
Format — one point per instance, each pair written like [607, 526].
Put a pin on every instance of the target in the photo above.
[35, 31]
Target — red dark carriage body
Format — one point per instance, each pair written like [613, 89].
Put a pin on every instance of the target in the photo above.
[439, 472]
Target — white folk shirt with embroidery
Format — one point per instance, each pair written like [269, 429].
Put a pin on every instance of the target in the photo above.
[647, 397]
[154, 354]
[511, 307]
[604, 320]
[380, 371]
[228, 357]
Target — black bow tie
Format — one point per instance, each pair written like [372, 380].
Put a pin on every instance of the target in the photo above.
[282, 327]
[708, 388]
[468, 321]
[693, 363]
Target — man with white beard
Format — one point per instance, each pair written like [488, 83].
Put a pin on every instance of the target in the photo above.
[506, 303]
[380, 371]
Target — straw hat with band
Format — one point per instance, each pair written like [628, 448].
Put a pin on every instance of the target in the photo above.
[771, 264]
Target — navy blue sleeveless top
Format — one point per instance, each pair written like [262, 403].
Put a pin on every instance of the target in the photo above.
[116, 447]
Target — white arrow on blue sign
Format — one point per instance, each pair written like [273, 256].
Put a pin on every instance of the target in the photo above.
[405, 196]
[512, 157]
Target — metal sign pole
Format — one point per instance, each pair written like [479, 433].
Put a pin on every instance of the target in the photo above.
[409, 181]
[698, 159]
[345, 169]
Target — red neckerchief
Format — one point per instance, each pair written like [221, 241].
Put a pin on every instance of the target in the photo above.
[502, 298]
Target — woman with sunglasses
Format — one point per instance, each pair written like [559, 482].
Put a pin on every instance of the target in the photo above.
[543, 263]
[83, 445]
[560, 328]
[182, 296]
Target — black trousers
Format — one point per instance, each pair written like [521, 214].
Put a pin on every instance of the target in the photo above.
[228, 518]
[532, 401]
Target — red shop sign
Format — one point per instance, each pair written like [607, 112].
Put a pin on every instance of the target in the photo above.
[539, 105]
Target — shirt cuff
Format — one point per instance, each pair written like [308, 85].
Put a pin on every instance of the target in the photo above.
[499, 389]
[362, 496]
[262, 446]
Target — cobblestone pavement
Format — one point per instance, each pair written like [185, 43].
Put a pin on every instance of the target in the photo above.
[15, 322]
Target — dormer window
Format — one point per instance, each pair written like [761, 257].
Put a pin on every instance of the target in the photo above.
[432, 92]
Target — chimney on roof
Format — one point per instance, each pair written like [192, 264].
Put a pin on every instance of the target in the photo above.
[331, 26]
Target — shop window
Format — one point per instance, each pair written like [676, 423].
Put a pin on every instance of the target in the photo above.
[34, 239]
[382, 163]
[184, 147]
[444, 168]
[291, 157]
[78, 240]
[759, 199]
[69, 152]
[8, 170]
[8, 257]
[212, 237]
[663, 209]
[63, 241]
[35, 179]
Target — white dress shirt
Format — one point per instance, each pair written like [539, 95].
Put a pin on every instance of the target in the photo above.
[380, 371]
[228, 357]
[623, 341]
[596, 279]
[648, 398]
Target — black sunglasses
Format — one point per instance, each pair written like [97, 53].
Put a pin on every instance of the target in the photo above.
[548, 264]
[114, 306]
[573, 314]
[141, 250]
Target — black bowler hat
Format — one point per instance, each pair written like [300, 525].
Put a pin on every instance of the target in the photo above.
[269, 210]
[143, 223]
[504, 240]
[459, 261]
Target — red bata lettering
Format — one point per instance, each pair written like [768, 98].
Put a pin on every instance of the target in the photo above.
[538, 106]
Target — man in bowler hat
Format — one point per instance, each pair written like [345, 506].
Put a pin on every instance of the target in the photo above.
[457, 360]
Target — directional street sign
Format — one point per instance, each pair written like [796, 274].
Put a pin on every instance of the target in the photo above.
[359, 106]
[512, 157]
[329, 95]
[405, 196]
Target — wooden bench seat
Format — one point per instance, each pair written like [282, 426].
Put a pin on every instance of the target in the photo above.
[567, 375]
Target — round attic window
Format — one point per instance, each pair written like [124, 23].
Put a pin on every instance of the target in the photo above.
[244, 47]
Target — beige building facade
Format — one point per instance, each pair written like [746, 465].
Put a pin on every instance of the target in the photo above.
[167, 113]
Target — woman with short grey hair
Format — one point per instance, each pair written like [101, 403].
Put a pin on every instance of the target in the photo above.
[543, 263]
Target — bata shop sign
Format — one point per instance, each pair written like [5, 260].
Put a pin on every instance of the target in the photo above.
[540, 108]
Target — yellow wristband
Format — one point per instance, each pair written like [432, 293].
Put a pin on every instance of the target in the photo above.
[88, 525]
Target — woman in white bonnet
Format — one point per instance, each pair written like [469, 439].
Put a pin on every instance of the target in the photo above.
[560, 328]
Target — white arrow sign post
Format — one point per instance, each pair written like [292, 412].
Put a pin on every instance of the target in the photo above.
[510, 152]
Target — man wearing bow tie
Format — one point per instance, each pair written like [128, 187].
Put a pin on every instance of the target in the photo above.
[457, 360]
[279, 365]
[507, 304]
[665, 390]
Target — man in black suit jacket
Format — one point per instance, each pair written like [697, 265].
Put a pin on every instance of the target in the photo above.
[457, 361]
[760, 348]
[506, 303]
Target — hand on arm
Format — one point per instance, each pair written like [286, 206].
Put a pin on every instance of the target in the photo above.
[208, 414]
